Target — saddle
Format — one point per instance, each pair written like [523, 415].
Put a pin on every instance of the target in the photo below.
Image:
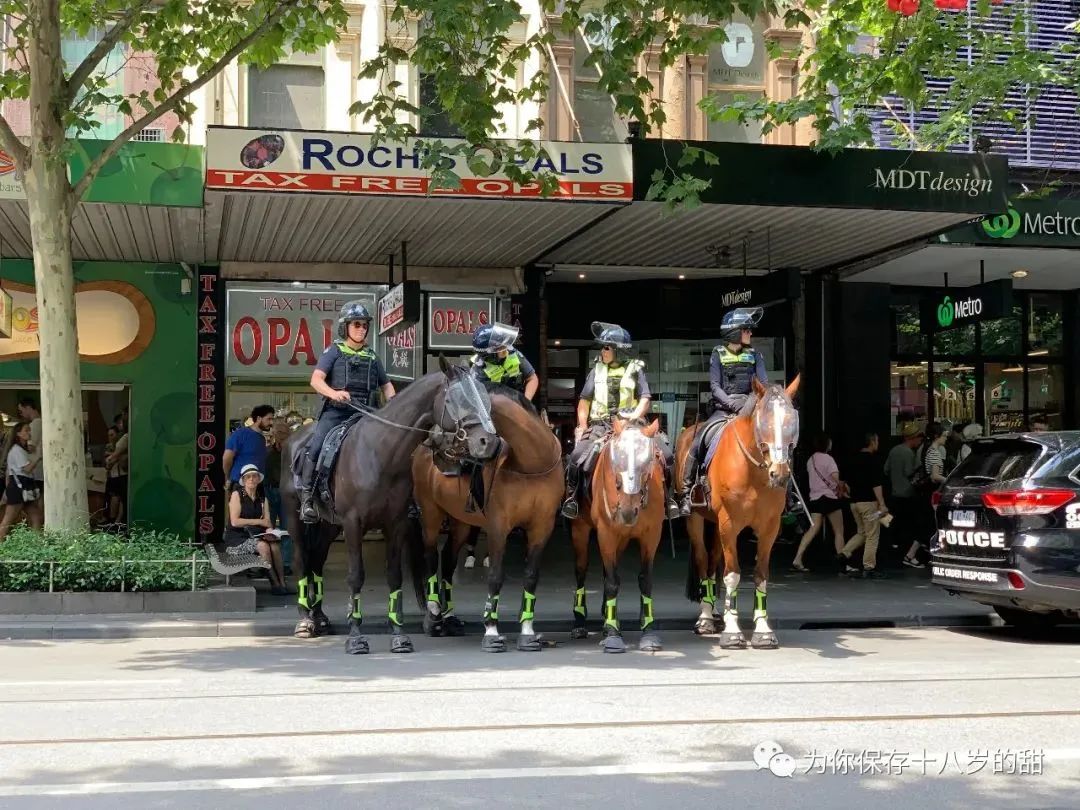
[709, 440]
[589, 466]
[322, 486]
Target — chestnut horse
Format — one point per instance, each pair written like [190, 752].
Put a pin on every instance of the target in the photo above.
[524, 486]
[626, 502]
[748, 478]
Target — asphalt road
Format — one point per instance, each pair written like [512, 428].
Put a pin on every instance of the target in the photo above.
[898, 718]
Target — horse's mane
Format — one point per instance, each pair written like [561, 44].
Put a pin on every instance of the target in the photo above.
[514, 394]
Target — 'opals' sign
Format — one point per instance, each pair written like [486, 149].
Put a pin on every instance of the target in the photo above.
[279, 331]
[352, 163]
[452, 319]
[210, 400]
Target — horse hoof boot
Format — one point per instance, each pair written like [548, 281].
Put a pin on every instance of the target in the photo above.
[764, 641]
[322, 625]
[578, 632]
[433, 625]
[530, 642]
[305, 628]
[357, 645]
[613, 644]
[453, 626]
[401, 644]
[650, 642]
[705, 626]
[732, 641]
[493, 644]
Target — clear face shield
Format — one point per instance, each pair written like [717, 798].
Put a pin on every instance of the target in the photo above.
[502, 337]
[776, 428]
[467, 403]
[603, 332]
[632, 455]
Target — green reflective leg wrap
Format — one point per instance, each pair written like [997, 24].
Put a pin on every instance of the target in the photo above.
[760, 602]
[579, 601]
[528, 602]
[611, 617]
[433, 589]
[491, 609]
[318, 588]
[393, 610]
[646, 612]
[731, 602]
[708, 590]
[355, 613]
[301, 594]
[448, 592]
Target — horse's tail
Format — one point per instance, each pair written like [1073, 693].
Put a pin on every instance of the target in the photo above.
[414, 553]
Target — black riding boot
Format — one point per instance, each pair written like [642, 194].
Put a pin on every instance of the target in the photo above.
[573, 479]
[670, 507]
[689, 478]
[308, 514]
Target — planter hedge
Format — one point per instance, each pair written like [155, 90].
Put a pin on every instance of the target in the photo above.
[92, 561]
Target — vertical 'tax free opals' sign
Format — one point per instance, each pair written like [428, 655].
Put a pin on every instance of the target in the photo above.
[452, 319]
[210, 399]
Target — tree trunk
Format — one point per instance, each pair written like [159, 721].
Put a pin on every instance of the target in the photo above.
[674, 90]
[51, 205]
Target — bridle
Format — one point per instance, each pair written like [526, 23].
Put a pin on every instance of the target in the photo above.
[646, 480]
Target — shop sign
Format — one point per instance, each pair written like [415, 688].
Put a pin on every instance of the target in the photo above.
[400, 305]
[210, 405]
[277, 331]
[960, 307]
[402, 352]
[11, 184]
[762, 291]
[1038, 223]
[452, 319]
[5, 314]
[353, 163]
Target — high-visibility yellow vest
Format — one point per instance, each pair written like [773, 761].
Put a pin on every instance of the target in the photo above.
[500, 371]
[603, 376]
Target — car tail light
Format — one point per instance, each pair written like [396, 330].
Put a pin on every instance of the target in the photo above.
[1016, 580]
[935, 498]
[1027, 501]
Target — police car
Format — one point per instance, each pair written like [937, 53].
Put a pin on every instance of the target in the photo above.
[1008, 528]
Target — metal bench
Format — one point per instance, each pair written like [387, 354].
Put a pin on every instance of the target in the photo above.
[229, 564]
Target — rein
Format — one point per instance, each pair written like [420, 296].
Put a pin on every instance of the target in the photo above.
[367, 410]
[761, 465]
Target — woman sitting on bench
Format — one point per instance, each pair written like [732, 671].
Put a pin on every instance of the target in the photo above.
[249, 520]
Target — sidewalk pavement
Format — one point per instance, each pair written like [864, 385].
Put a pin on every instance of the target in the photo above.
[820, 600]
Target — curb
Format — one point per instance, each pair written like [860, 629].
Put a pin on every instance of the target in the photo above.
[282, 627]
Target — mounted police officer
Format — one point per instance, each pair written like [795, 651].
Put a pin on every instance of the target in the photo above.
[732, 368]
[616, 386]
[497, 361]
[347, 375]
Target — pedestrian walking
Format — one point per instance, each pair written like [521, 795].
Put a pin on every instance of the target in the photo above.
[826, 494]
[21, 490]
[900, 466]
[867, 507]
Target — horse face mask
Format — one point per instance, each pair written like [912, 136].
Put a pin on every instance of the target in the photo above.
[776, 432]
[466, 411]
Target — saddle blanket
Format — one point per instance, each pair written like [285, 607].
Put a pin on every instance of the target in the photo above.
[713, 439]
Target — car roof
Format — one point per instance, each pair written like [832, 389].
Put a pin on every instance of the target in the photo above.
[1054, 440]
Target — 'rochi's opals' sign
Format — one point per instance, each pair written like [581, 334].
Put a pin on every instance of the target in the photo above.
[452, 319]
[352, 163]
[281, 331]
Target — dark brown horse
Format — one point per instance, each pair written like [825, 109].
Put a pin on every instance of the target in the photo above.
[372, 483]
[748, 478]
[626, 502]
[524, 486]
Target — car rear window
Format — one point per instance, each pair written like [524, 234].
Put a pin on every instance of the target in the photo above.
[996, 460]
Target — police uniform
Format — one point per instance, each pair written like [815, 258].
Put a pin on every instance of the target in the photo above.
[511, 371]
[357, 371]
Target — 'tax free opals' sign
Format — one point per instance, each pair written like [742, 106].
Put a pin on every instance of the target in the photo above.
[351, 163]
[959, 307]
[452, 319]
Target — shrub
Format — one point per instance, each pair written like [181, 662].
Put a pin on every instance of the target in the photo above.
[80, 561]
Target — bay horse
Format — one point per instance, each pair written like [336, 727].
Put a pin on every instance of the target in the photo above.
[372, 485]
[524, 486]
[748, 477]
[626, 502]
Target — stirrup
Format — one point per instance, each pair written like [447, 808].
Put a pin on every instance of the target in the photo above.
[570, 509]
[308, 512]
[698, 496]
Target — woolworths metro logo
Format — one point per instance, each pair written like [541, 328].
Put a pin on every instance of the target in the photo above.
[949, 310]
[1003, 226]
[945, 313]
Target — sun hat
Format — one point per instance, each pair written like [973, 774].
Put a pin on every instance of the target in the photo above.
[911, 430]
[972, 431]
[248, 469]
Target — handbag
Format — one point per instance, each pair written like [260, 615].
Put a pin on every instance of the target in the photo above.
[920, 479]
[840, 489]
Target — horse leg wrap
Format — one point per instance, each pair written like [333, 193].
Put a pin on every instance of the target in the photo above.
[318, 590]
[761, 610]
[528, 602]
[708, 590]
[611, 616]
[646, 613]
[302, 593]
[355, 614]
[491, 609]
[434, 601]
[731, 607]
[448, 594]
[393, 609]
[579, 603]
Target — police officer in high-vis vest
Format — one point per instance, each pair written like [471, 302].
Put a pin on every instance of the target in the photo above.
[497, 361]
[732, 368]
[347, 374]
[616, 386]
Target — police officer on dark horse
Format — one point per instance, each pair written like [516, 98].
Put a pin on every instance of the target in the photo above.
[497, 361]
[616, 386]
[732, 367]
[347, 375]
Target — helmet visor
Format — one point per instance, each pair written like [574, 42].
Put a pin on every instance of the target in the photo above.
[610, 334]
[502, 337]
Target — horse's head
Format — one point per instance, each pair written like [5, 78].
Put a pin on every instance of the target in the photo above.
[463, 413]
[776, 429]
[633, 459]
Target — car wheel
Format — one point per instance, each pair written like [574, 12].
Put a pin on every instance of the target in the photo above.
[1029, 620]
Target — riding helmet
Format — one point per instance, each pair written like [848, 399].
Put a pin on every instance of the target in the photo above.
[350, 312]
[611, 334]
[732, 324]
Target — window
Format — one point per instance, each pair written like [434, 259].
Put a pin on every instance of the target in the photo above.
[1003, 397]
[736, 72]
[908, 337]
[73, 49]
[434, 119]
[954, 392]
[150, 135]
[959, 341]
[594, 108]
[1002, 335]
[1046, 394]
[908, 394]
[1044, 325]
[286, 97]
[733, 131]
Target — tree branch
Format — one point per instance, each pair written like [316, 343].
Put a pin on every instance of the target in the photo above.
[101, 50]
[13, 146]
[177, 98]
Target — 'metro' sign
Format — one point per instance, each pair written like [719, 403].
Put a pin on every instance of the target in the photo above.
[951, 308]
